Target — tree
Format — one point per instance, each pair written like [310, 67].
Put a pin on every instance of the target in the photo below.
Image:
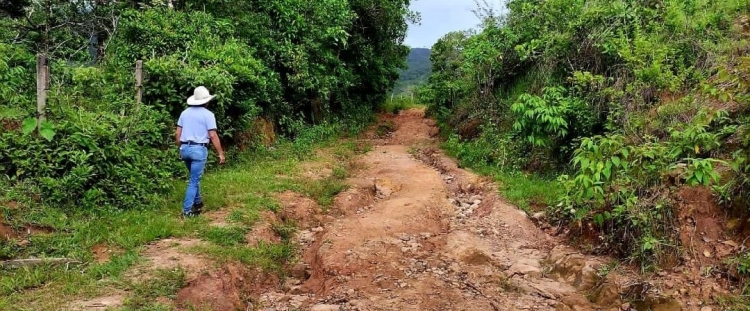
[13, 8]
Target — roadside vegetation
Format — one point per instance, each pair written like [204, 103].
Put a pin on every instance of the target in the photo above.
[101, 170]
[243, 190]
[601, 112]
[395, 104]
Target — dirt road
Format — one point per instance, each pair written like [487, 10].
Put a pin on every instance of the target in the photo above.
[412, 232]
[415, 232]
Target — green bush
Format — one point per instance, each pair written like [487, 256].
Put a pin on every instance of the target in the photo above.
[625, 100]
[311, 68]
[95, 160]
[491, 149]
[17, 83]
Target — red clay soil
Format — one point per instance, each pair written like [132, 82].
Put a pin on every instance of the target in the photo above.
[303, 211]
[701, 226]
[226, 289]
[415, 232]
[7, 233]
[263, 231]
[103, 252]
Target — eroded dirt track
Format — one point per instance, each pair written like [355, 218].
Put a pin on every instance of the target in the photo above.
[415, 232]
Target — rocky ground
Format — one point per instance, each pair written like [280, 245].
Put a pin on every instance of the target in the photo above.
[415, 232]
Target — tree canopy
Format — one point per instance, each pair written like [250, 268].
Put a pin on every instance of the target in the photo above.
[287, 63]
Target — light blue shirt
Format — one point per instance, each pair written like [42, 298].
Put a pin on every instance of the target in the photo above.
[195, 123]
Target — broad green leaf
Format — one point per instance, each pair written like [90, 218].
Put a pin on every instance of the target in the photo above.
[47, 130]
[699, 176]
[28, 126]
[48, 134]
[584, 163]
[589, 193]
[616, 161]
[599, 219]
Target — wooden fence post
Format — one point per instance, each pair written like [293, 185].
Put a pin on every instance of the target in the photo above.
[138, 82]
[42, 85]
[138, 96]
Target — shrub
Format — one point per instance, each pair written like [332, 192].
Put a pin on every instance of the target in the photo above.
[95, 160]
[16, 76]
[492, 148]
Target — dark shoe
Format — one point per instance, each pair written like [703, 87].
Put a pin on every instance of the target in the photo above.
[189, 215]
[198, 208]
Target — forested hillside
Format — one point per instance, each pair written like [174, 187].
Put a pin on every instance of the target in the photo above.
[276, 66]
[417, 70]
[628, 110]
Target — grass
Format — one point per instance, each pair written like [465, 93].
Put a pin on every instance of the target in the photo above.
[245, 188]
[529, 192]
[285, 230]
[395, 105]
[270, 257]
[324, 190]
[495, 154]
[225, 236]
[734, 303]
[245, 218]
[166, 283]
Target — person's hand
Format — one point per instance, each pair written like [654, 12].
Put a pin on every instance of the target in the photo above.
[222, 160]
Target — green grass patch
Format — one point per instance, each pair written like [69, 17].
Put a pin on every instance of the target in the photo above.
[396, 104]
[271, 257]
[225, 236]
[49, 287]
[165, 283]
[529, 192]
[324, 190]
[734, 303]
[285, 229]
[244, 217]
[246, 186]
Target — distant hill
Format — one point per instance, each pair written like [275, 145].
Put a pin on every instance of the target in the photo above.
[417, 73]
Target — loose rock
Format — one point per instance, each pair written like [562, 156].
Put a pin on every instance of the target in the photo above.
[325, 308]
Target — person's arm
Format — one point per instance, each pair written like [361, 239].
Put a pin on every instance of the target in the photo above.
[178, 132]
[177, 135]
[217, 145]
[211, 127]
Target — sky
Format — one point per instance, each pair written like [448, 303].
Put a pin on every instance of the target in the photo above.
[440, 17]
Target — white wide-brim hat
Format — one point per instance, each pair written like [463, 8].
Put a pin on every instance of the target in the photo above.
[200, 97]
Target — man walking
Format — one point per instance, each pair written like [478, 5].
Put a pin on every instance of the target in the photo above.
[195, 128]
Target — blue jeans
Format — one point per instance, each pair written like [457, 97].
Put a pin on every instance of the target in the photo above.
[195, 160]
